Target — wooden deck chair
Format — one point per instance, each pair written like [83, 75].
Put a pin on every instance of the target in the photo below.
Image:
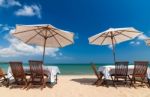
[98, 75]
[121, 72]
[3, 79]
[139, 72]
[37, 73]
[18, 73]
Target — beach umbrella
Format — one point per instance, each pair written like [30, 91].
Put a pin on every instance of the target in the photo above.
[114, 36]
[147, 41]
[44, 35]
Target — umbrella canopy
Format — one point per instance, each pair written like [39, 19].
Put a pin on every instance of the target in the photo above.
[147, 41]
[113, 36]
[43, 35]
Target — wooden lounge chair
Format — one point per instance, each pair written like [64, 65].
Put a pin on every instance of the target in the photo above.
[37, 74]
[18, 73]
[121, 72]
[139, 72]
[3, 79]
[98, 75]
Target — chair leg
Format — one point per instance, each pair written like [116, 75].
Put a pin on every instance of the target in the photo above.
[134, 80]
[125, 81]
[29, 83]
[43, 84]
[142, 81]
[131, 81]
[106, 82]
[113, 80]
[129, 78]
[26, 84]
[56, 78]
[6, 82]
[99, 82]
[117, 79]
[131, 84]
[29, 86]
[148, 81]
[95, 83]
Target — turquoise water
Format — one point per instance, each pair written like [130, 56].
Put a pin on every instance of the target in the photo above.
[66, 69]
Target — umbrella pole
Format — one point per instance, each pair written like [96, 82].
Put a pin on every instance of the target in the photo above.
[113, 48]
[44, 49]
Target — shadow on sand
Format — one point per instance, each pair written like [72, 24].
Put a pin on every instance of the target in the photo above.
[22, 87]
[85, 81]
[108, 83]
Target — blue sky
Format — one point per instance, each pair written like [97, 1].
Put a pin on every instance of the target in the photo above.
[83, 17]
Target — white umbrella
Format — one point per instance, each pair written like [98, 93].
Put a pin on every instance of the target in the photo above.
[113, 36]
[43, 35]
[147, 41]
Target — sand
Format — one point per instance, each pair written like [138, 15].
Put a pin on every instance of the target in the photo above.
[76, 86]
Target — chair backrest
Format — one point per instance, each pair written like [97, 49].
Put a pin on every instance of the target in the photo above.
[95, 70]
[17, 69]
[121, 68]
[36, 68]
[140, 68]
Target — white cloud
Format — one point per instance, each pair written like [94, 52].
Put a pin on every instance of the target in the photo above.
[32, 10]
[9, 3]
[76, 36]
[24, 10]
[17, 48]
[11, 31]
[13, 3]
[135, 43]
[60, 54]
[142, 37]
[5, 28]
[64, 58]
[110, 47]
[1, 2]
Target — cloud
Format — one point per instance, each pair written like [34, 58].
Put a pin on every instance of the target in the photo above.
[142, 37]
[32, 10]
[138, 40]
[64, 58]
[1, 2]
[135, 43]
[110, 47]
[76, 36]
[9, 3]
[60, 54]
[5, 28]
[18, 48]
[24, 10]
[13, 3]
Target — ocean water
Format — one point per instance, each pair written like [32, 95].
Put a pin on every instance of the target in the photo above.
[66, 69]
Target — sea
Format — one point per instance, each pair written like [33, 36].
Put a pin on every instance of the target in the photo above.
[66, 69]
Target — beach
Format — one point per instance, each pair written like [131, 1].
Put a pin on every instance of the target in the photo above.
[75, 48]
[76, 86]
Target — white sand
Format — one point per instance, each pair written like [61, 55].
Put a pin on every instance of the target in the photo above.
[76, 86]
